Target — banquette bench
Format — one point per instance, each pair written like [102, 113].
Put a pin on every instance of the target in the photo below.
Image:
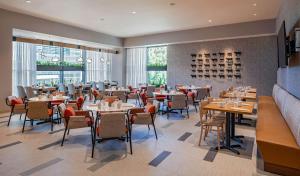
[278, 132]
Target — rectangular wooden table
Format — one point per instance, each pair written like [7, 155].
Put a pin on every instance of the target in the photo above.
[247, 96]
[230, 109]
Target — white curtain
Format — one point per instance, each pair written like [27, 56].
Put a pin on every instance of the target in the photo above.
[136, 66]
[24, 65]
[99, 66]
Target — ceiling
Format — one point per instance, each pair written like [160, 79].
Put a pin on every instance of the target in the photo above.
[116, 17]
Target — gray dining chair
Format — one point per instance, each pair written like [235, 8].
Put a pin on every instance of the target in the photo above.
[21, 92]
[29, 92]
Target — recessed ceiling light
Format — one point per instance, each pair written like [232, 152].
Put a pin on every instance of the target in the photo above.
[210, 21]
[254, 4]
[254, 14]
[133, 12]
[172, 3]
[28, 1]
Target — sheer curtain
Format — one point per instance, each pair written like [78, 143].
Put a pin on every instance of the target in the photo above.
[98, 66]
[136, 66]
[24, 65]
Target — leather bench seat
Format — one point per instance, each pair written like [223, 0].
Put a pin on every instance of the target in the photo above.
[276, 142]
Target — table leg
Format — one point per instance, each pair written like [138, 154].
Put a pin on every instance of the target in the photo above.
[227, 144]
[232, 131]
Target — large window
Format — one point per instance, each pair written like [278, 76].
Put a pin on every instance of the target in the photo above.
[51, 65]
[157, 65]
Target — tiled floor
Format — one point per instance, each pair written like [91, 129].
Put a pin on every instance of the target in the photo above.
[175, 153]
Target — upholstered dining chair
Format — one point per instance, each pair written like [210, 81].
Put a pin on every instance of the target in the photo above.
[30, 92]
[143, 116]
[178, 102]
[208, 121]
[75, 119]
[78, 103]
[17, 106]
[98, 95]
[38, 110]
[201, 93]
[112, 126]
[21, 92]
[150, 90]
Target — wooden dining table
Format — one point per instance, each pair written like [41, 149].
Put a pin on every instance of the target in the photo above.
[231, 109]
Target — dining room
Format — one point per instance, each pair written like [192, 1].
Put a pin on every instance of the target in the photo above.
[138, 87]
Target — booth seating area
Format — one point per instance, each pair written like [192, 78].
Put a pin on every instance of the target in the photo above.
[278, 132]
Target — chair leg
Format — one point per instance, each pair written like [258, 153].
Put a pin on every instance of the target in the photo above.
[148, 127]
[130, 143]
[218, 137]
[195, 107]
[92, 132]
[154, 130]
[20, 116]
[200, 135]
[9, 118]
[62, 142]
[68, 132]
[24, 124]
[187, 112]
[52, 123]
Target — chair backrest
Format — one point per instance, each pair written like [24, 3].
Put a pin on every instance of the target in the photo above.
[61, 109]
[29, 92]
[150, 90]
[202, 111]
[101, 86]
[37, 110]
[21, 91]
[120, 94]
[71, 89]
[179, 102]
[112, 125]
[201, 93]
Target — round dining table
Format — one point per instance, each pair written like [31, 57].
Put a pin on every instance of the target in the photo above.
[123, 107]
[167, 93]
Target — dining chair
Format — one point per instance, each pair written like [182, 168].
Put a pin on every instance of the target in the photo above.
[78, 103]
[97, 95]
[29, 92]
[101, 86]
[75, 119]
[143, 116]
[150, 90]
[38, 110]
[112, 126]
[121, 95]
[201, 93]
[134, 94]
[17, 106]
[178, 102]
[21, 92]
[208, 121]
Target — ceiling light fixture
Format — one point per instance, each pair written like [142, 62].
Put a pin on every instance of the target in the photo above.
[133, 12]
[28, 1]
[254, 14]
[210, 21]
[254, 4]
[172, 3]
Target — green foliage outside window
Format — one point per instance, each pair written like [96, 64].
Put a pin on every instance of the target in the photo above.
[157, 65]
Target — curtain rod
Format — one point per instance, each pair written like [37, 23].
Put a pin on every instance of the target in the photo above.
[65, 45]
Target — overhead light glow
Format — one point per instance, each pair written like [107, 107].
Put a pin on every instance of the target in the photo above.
[133, 12]
[28, 1]
[210, 21]
[254, 4]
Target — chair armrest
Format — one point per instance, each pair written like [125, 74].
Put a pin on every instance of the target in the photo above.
[77, 118]
[145, 114]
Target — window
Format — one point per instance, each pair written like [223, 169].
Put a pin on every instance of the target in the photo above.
[51, 65]
[157, 65]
